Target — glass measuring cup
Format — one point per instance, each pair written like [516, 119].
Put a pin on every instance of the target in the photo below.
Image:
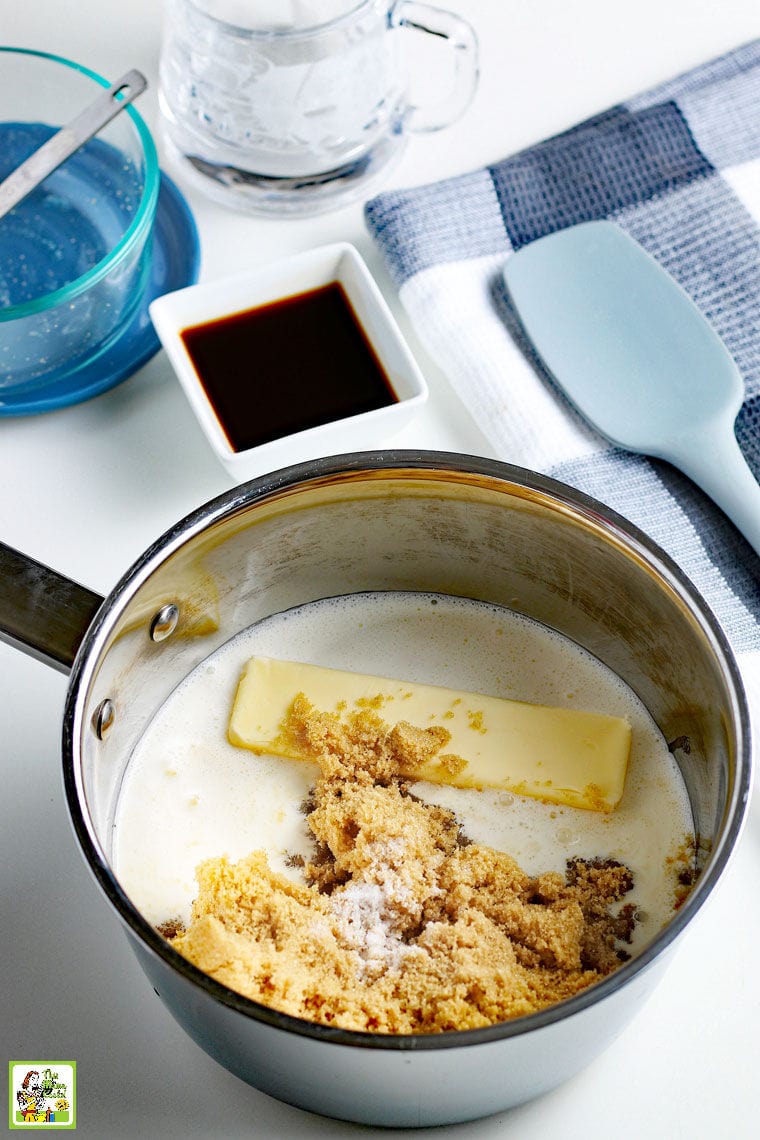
[294, 107]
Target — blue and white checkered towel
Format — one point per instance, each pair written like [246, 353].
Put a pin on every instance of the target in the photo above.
[679, 169]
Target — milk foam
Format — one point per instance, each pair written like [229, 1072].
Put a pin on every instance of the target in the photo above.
[189, 795]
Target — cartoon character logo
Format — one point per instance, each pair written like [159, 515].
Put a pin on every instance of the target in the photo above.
[30, 1096]
[42, 1095]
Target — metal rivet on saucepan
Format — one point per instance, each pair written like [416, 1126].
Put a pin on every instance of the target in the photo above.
[164, 623]
[103, 718]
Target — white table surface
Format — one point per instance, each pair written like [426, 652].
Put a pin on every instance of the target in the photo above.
[86, 489]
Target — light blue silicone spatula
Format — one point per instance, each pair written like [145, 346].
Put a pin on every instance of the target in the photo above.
[636, 357]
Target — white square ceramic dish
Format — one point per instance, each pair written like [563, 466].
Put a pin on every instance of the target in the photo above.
[199, 306]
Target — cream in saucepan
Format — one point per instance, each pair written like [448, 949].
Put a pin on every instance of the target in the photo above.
[189, 795]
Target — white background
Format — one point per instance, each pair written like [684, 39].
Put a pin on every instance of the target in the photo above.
[87, 488]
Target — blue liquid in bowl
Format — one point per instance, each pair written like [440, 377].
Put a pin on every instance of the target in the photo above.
[65, 229]
[69, 223]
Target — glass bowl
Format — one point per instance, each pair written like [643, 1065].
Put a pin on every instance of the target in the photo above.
[75, 254]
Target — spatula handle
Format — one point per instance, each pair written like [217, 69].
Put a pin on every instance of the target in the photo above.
[716, 464]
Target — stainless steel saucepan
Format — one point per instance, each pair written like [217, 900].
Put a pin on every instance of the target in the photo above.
[395, 520]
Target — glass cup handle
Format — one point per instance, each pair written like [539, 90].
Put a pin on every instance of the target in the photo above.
[462, 44]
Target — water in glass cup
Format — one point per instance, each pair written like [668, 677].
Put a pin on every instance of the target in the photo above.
[286, 105]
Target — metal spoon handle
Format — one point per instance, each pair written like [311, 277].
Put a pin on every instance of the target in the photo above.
[68, 139]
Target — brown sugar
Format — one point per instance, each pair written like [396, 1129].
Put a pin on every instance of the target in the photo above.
[401, 925]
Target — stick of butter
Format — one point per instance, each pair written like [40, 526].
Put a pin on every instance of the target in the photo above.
[564, 756]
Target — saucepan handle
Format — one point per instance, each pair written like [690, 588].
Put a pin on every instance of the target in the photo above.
[41, 612]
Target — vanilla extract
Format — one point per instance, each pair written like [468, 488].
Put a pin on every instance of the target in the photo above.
[287, 366]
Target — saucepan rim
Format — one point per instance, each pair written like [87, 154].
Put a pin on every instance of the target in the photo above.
[447, 463]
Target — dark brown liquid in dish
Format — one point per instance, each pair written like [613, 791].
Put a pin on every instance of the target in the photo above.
[287, 366]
